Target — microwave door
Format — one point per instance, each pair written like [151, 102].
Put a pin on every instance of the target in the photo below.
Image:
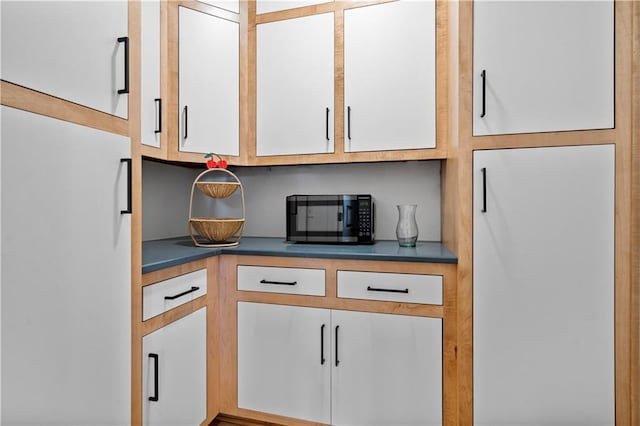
[320, 222]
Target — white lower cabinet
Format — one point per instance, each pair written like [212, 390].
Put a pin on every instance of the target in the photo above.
[543, 286]
[174, 372]
[339, 367]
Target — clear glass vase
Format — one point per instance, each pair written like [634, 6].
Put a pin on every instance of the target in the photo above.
[407, 229]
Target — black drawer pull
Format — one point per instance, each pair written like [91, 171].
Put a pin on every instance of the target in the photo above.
[484, 190]
[182, 294]
[349, 122]
[128, 210]
[322, 360]
[125, 40]
[483, 74]
[158, 101]
[155, 396]
[326, 123]
[337, 360]
[186, 122]
[388, 290]
[278, 282]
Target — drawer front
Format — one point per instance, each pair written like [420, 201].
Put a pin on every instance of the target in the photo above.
[281, 280]
[164, 295]
[426, 289]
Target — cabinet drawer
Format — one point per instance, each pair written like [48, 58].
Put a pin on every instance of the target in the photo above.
[164, 295]
[410, 288]
[281, 280]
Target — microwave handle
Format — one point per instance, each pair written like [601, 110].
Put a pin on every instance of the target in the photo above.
[348, 223]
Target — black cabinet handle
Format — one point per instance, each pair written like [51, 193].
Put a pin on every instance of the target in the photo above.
[186, 123]
[326, 122]
[484, 190]
[278, 282]
[156, 395]
[129, 185]
[159, 121]
[388, 290]
[337, 360]
[322, 360]
[184, 293]
[483, 74]
[349, 122]
[125, 40]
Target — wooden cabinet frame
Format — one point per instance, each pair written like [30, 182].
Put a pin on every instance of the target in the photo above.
[457, 197]
[229, 296]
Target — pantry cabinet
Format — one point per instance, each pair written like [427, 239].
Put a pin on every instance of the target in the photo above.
[208, 83]
[77, 51]
[543, 286]
[294, 84]
[389, 88]
[66, 273]
[151, 101]
[339, 367]
[542, 66]
[174, 360]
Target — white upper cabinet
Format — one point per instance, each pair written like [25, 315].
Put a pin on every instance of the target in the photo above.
[209, 78]
[543, 286]
[295, 86]
[542, 66]
[68, 49]
[389, 76]
[151, 103]
[265, 6]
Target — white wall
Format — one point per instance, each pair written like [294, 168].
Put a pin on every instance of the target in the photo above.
[166, 191]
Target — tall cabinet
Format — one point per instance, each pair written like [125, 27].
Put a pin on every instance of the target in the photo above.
[543, 286]
[66, 265]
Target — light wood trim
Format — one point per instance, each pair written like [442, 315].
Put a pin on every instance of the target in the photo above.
[247, 81]
[213, 340]
[210, 10]
[174, 271]
[26, 99]
[635, 224]
[134, 114]
[547, 139]
[172, 139]
[338, 79]
[172, 315]
[229, 297]
[298, 12]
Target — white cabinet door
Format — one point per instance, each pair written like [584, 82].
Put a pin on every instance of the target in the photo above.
[386, 369]
[389, 76]
[282, 368]
[66, 273]
[543, 277]
[295, 86]
[265, 6]
[151, 103]
[548, 66]
[174, 373]
[68, 49]
[209, 83]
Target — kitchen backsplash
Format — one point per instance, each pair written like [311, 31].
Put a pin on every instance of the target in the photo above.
[166, 190]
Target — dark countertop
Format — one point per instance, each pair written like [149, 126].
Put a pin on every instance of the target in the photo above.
[160, 254]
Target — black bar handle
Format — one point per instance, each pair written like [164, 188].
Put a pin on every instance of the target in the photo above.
[326, 122]
[184, 293]
[349, 122]
[155, 396]
[159, 103]
[388, 290]
[129, 186]
[484, 189]
[322, 360]
[186, 123]
[337, 360]
[483, 74]
[279, 282]
[125, 40]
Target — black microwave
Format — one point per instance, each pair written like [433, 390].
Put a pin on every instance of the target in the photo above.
[338, 219]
